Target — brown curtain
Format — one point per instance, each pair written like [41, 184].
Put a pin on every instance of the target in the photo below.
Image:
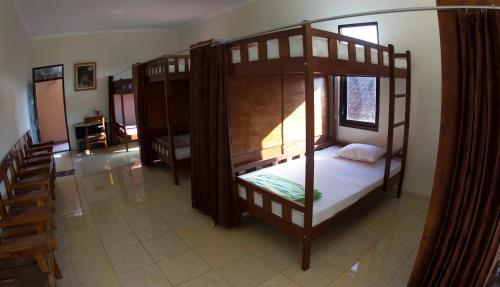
[462, 234]
[211, 167]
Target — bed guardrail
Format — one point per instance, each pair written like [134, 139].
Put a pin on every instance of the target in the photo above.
[173, 66]
[332, 54]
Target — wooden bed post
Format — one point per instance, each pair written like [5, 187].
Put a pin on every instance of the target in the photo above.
[123, 119]
[390, 127]
[171, 140]
[112, 126]
[309, 102]
[407, 123]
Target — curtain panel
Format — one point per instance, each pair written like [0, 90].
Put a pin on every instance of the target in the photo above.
[211, 168]
[462, 232]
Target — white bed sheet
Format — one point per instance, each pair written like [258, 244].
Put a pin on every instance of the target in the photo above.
[342, 182]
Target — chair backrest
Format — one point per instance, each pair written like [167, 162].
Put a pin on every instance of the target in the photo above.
[28, 139]
[96, 120]
[5, 182]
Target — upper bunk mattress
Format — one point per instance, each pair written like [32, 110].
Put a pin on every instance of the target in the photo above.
[182, 146]
[342, 182]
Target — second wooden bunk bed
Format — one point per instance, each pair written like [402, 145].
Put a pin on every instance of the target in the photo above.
[162, 97]
[122, 111]
[270, 76]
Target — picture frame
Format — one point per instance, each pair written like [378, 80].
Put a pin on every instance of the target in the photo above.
[85, 76]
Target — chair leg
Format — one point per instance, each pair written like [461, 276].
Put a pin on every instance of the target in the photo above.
[57, 270]
[40, 260]
[126, 144]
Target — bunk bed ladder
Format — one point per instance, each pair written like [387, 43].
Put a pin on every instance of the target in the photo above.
[402, 153]
[404, 149]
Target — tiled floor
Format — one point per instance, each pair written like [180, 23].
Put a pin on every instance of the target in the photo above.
[121, 224]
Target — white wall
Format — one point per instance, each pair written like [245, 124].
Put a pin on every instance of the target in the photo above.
[113, 51]
[14, 76]
[417, 32]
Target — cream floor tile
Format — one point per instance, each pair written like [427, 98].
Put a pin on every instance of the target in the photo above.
[91, 269]
[199, 234]
[129, 258]
[220, 252]
[87, 250]
[378, 221]
[210, 279]
[393, 248]
[166, 246]
[182, 220]
[421, 204]
[376, 268]
[412, 258]
[407, 230]
[415, 215]
[119, 239]
[249, 238]
[360, 236]
[146, 276]
[402, 277]
[279, 281]
[278, 257]
[246, 272]
[341, 254]
[111, 225]
[183, 267]
[107, 282]
[349, 280]
[151, 229]
[319, 274]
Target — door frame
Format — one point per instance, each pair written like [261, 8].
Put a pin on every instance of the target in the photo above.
[63, 94]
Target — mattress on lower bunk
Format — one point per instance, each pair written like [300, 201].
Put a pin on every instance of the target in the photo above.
[182, 146]
[342, 182]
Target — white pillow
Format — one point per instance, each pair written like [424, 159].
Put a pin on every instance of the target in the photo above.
[361, 152]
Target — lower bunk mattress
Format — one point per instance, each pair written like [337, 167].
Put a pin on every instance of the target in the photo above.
[161, 145]
[342, 182]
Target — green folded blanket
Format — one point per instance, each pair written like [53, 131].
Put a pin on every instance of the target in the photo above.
[284, 187]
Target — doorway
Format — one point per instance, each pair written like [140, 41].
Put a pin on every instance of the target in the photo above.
[50, 106]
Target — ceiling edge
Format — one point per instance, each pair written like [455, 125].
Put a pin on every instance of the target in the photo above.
[97, 32]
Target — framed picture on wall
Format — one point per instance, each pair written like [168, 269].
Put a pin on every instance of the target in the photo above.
[85, 76]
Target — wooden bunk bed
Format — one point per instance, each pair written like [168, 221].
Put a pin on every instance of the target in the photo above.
[122, 111]
[280, 89]
[162, 97]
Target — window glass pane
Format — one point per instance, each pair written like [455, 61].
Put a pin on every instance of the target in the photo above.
[366, 32]
[362, 99]
[360, 95]
[43, 74]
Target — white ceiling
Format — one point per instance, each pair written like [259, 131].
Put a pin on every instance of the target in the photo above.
[49, 17]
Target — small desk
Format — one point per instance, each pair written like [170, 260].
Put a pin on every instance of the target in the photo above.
[80, 133]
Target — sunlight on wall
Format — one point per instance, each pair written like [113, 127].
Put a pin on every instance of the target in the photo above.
[294, 125]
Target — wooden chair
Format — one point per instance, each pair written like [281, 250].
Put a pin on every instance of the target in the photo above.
[100, 136]
[34, 158]
[27, 138]
[26, 231]
[31, 190]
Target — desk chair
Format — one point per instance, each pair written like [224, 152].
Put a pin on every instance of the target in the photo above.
[100, 136]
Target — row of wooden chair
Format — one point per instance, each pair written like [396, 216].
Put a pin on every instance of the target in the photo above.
[27, 244]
